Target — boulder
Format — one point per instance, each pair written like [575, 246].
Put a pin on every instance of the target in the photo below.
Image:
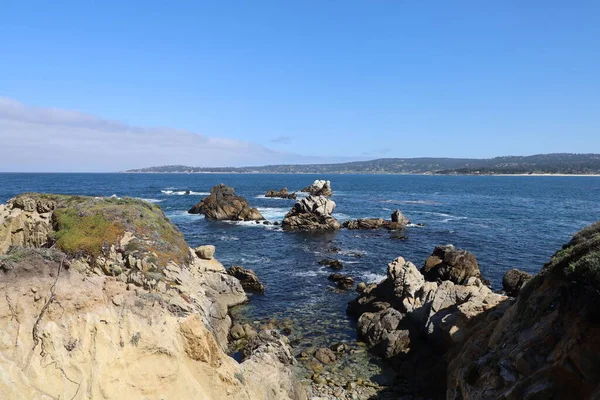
[283, 193]
[449, 263]
[513, 281]
[311, 214]
[319, 188]
[205, 252]
[224, 205]
[247, 278]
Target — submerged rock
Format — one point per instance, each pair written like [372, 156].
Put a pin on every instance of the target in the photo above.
[283, 193]
[224, 205]
[333, 264]
[319, 188]
[325, 355]
[311, 214]
[343, 282]
[248, 279]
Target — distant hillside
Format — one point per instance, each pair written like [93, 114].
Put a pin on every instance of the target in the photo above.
[559, 163]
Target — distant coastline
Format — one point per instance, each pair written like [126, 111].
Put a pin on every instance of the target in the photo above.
[557, 164]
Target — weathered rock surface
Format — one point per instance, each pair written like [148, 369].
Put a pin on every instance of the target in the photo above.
[319, 188]
[247, 278]
[205, 252]
[283, 193]
[513, 281]
[224, 205]
[129, 322]
[311, 214]
[449, 263]
[414, 322]
[398, 221]
[547, 344]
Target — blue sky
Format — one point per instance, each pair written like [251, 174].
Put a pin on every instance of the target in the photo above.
[326, 79]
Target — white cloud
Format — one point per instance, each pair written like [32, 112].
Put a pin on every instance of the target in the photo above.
[51, 139]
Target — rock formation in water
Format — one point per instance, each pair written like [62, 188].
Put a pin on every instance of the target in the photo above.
[311, 214]
[398, 221]
[103, 298]
[224, 205]
[247, 278]
[319, 188]
[283, 193]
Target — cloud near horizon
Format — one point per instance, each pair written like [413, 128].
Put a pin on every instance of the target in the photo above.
[52, 139]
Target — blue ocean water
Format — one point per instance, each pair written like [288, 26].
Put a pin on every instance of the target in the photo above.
[507, 222]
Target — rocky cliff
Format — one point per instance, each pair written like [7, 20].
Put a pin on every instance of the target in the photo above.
[102, 298]
[449, 336]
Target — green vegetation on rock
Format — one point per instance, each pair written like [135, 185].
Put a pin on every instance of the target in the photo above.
[88, 226]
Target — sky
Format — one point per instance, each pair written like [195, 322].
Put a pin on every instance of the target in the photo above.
[111, 85]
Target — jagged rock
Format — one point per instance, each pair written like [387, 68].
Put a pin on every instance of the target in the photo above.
[224, 204]
[333, 264]
[205, 252]
[513, 281]
[343, 282]
[319, 188]
[325, 355]
[311, 214]
[283, 193]
[399, 218]
[248, 279]
[448, 263]
[405, 305]
[547, 344]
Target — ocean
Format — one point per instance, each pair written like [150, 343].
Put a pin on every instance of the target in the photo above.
[507, 222]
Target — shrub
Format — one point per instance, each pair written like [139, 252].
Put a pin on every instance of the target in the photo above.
[84, 234]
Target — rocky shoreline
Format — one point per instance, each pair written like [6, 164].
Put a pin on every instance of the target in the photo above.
[99, 287]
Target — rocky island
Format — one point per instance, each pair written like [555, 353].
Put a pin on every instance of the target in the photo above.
[224, 205]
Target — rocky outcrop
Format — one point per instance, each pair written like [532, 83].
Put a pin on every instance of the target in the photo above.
[139, 316]
[547, 344]
[26, 221]
[514, 280]
[224, 205]
[449, 263]
[283, 193]
[319, 188]
[398, 221]
[414, 322]
[311, 214]
[247, 278]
